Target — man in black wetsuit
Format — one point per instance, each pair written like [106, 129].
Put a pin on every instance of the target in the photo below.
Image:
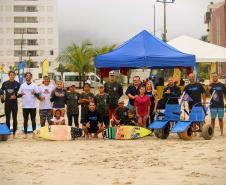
[10, 89]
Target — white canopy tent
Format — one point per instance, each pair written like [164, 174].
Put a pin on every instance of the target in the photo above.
[204, 51]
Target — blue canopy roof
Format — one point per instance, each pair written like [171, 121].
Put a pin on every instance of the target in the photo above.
[144, 50]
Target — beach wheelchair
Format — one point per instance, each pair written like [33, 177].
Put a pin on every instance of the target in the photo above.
[166, 120]
[195, 123]
[4, 131]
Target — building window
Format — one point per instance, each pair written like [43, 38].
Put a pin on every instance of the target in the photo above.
[32, 42]
[51, 52]
[19, 19]
[18, 42]
[31, 9]
[19, 30]
[19, 8]
[32, 20]
[32, 53]
[17, 53]
[32, 30]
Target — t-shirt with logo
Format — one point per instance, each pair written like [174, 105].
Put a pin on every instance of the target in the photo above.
[93, 117]
[72, 100]
[46, 91]
[10, 88]
[194, 91]
[85, 106]
[115, 91]
[121, 114]
[58, 101]
[28, 99]
[142, 103]
[102, 104]
[220, 91]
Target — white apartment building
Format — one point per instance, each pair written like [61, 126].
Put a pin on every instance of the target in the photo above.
[28, 30]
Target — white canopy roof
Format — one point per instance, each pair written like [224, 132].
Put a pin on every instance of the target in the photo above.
[204, 51]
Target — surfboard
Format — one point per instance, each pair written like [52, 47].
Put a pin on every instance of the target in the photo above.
[126, 132]
[58, 132]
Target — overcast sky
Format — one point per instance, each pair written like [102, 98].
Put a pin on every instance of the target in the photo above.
[115, 21]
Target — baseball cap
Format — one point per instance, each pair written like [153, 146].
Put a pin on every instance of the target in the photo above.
[121, 100]
[100, 85]
[111, 73]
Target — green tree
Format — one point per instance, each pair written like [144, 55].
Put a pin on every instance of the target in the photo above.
[61, 68]
[78, 58]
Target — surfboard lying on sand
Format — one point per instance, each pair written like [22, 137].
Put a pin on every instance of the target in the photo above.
[126, 132]
[58, 132]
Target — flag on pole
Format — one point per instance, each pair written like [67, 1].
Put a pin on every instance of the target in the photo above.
[21, 66]
[45, 67]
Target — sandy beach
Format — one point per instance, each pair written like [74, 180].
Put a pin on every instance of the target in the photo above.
[148, 161]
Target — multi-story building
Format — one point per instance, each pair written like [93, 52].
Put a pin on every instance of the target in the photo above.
[28, 31]
[216, 19]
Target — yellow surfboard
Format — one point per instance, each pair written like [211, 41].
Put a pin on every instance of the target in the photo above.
[58, 132]
[126, 132]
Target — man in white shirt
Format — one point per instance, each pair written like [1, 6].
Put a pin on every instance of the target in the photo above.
[29, 93]
[45, 106]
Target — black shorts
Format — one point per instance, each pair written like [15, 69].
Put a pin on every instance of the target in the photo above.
[93, 130]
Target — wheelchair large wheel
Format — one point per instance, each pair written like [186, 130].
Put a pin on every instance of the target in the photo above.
[162, 133]
[187, 134]
[207, 131]
[3, 137]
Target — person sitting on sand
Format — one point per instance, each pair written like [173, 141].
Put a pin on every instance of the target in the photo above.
[57, 119]
[92, 122]
[120, 114]
[131, 120]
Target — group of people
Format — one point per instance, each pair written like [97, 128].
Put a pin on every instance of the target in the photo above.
[105, 108]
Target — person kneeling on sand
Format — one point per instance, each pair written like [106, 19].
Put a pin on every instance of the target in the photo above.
[120, 115]
[131, 120]
[57, 119]
[92, 122]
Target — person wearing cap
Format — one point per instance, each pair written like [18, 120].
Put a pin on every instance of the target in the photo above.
[133, 91]
[45, 105]
[85, 98]
[72, 102]
[102, 104]
[120, 114]
[115, 91]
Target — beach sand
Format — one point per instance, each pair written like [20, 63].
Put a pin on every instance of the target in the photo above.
[148, 161]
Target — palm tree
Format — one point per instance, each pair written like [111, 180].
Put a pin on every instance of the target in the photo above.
[61, 68]
[78, 59]
[103, 50]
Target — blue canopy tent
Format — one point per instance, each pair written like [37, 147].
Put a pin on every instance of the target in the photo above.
[142, 51]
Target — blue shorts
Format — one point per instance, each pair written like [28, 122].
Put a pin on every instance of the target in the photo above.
[217, 111]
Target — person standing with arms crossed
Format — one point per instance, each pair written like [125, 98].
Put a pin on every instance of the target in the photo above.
[10, 88]
[29, 92]
[217, 102]
[133, 91]
[114, 90]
